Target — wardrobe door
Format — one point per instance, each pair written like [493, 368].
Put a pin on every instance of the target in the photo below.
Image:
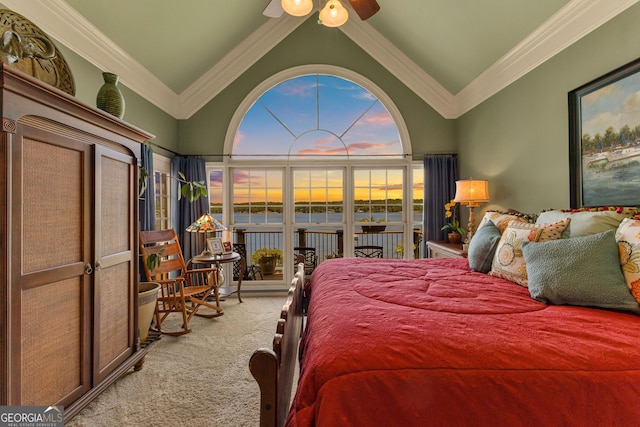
[51, 268]
[115, 255]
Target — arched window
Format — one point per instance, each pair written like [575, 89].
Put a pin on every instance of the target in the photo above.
[316, 156]
[317, 115]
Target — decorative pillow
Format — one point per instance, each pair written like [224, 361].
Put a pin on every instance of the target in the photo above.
[578, 271]
[483, 246]
[500, 219]
[628, 238]
[585, 222]
[627, 210]
[508, 262]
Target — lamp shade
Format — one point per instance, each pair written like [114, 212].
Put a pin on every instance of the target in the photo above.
[206, 223]
[333, 14]
[297, 7]
[472, 192]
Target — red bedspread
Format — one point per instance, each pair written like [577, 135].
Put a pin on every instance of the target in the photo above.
[428, 342]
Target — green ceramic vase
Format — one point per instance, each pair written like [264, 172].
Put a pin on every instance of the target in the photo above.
[109, 97]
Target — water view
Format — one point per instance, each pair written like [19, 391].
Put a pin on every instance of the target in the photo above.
[615, 186]
[322, 233]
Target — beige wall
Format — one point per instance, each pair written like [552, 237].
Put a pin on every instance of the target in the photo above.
[519, 138]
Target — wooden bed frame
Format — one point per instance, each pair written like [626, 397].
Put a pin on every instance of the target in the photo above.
[274, 368]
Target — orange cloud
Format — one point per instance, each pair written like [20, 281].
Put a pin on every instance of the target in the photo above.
[364, 146]
[238, 139]
[382, 118]
[324, 141]
[320, 151]
[240, 177]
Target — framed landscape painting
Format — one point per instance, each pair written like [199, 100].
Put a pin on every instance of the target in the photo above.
[604, 140]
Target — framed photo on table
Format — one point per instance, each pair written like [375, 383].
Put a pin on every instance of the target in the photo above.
[604, 140]
[228, 248]
[215, 246]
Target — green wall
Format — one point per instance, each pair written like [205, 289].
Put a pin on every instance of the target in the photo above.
[205, 131]
[519, 138]
[138, 111]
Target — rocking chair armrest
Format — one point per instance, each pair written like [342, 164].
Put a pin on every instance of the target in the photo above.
[201, 270]
[175, 280]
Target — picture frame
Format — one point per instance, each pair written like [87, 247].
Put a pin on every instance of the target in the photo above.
[228, 247]
[604, 140]
[215, 246]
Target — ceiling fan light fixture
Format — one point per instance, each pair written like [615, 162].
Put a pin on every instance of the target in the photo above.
[297, 7]
[333, 14]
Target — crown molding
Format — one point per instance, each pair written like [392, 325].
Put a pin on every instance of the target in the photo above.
[400, 65]
[572, 22]
[65, 24]
[236, 62]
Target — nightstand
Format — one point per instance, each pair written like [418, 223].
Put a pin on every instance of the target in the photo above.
[445, 250]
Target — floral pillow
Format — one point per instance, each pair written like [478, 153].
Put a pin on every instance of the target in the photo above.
[500, 219]
[508, 262]
[628, 239]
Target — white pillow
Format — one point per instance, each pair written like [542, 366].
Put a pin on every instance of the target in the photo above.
[585, 223]
[500, 219]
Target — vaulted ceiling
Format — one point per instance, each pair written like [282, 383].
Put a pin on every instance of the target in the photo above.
[179, 54]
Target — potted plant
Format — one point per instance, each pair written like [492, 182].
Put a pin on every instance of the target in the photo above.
[147, 297]
[267, 259]
[373, 228]
[399, 249]
[453, 227]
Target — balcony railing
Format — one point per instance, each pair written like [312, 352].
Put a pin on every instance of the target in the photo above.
[330, 243]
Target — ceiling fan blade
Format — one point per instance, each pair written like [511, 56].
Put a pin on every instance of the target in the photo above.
[365, 8]
[274, 9]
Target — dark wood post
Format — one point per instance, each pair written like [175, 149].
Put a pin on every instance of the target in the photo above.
[340, 234]
[302, 237]
[240, 235]
[417, 238]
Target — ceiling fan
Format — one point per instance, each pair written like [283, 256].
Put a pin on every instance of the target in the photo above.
[364, 8]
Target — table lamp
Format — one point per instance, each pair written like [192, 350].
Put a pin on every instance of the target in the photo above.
[471, 192]
[206, 224]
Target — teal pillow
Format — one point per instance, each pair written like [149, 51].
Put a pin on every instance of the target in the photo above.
[578, 271]
[483, 246]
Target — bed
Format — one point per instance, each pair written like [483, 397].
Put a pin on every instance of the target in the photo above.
[431, 342]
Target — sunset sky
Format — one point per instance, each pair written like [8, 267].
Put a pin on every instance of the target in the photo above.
[308, 116]
[317, 115]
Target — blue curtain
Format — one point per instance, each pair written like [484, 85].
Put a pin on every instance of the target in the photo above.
[147, 202]
[440, 175]
[186, 212]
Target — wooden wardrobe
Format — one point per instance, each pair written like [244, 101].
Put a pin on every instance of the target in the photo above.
[68, 246]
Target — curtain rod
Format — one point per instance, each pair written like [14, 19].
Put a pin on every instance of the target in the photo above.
[413, 155]
[162, 148]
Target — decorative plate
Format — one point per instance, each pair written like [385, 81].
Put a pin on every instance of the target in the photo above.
[26, 47]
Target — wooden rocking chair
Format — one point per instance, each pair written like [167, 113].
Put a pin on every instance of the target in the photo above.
[181, 290]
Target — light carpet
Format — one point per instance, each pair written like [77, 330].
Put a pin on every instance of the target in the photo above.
[198, 379]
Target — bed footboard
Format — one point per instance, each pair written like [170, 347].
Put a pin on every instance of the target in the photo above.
[274, 368]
